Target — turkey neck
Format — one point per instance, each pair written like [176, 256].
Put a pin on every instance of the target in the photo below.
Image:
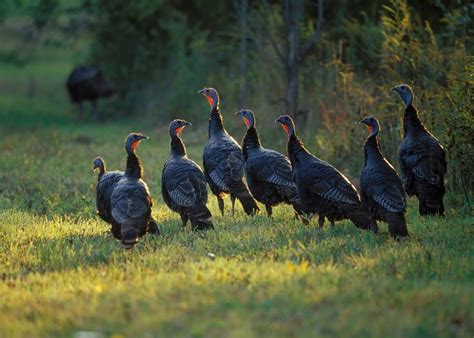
[251, 141]
[101, 172]
[216, 123]
[295, 148]
[372, 150]
[134, 166]
[411, 122]
[177, 146]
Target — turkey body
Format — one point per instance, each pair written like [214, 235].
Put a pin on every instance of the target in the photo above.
[269, 174]
[130, 207]
[423, 163]
[104, 189]
[86, 83]
[130, 200]
[184, 187]
[382, 192]
[224, 166]
[321, 187]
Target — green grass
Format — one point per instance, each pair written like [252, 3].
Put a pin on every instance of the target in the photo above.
[61, 272]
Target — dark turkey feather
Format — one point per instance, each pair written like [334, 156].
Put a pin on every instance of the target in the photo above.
[83, 73]
[131, 200]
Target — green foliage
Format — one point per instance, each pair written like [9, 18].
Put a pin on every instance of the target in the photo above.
[43, 12]
[153, 52]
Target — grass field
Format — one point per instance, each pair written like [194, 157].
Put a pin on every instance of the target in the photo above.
[62, 273]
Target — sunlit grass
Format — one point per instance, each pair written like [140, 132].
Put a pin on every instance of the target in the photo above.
[63, 272]
[278, 277]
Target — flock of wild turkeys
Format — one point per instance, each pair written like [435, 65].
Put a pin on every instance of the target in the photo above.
[311, 185]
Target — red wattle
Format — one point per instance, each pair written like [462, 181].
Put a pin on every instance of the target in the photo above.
[247, 122]
[210, 100]
[135, 145]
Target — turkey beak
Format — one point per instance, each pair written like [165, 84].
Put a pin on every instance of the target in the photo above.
[278, 121]
[143, 137]
[393, 89]
[201, 91]
[239, 113]
[362, 121]
[186, 123]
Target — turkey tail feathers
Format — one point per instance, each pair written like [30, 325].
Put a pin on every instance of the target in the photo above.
[201, 218]
[431, 199]
[240, 190]
[432, 207]
[396, 224]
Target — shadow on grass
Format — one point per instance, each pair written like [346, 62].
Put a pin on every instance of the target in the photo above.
[243, 236]
[93, 250]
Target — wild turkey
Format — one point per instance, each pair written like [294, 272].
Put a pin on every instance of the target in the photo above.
[130, 202]
[223, 162]
[321, 187]
[381, 189]
[422, 159]
[105, 184]
[87, 83]
[183, 184]
[269, 173]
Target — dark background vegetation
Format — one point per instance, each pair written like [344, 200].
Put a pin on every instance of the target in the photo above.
[328, 63]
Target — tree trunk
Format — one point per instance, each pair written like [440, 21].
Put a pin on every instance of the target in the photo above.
[242, 10]
[292, 15]
[291, 99]
[294, 52]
